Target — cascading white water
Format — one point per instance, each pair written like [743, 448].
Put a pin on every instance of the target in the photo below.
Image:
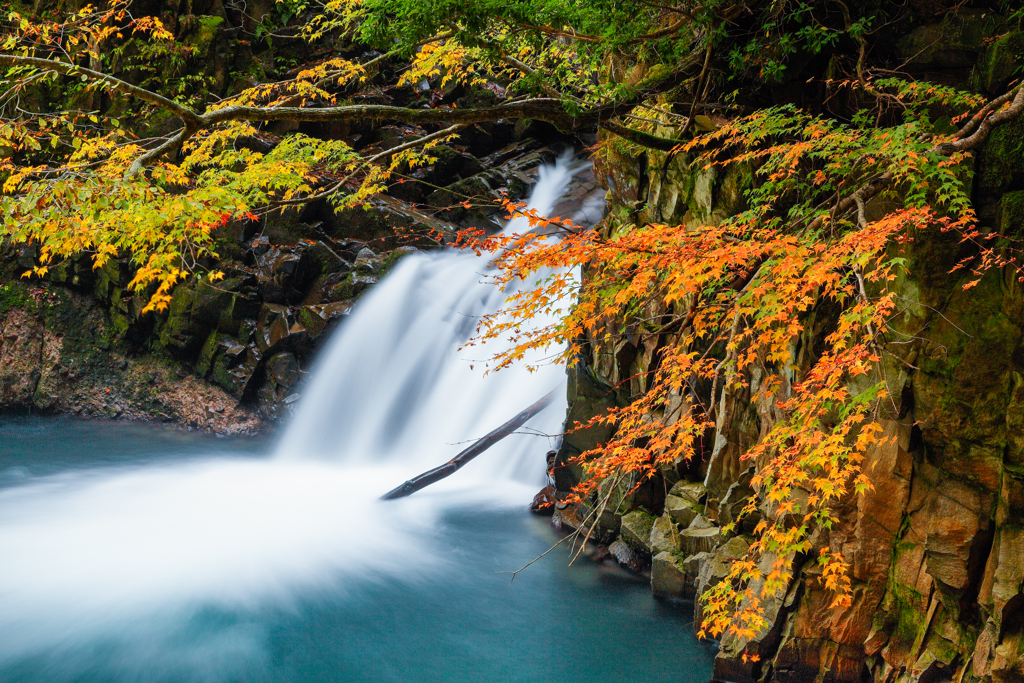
[128, 554]
[393, 385]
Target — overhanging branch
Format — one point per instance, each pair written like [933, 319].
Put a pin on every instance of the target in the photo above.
[189, 117]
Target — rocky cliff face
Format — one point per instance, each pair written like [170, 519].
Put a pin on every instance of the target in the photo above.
[937, 547]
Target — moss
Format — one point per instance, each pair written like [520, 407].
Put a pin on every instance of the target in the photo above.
[207, 355]
[351, 287]
[1000, 61]
[390, 260]
[951, 43]
[1011, 213]
[1001, 162]
[14, 295]
[206, 30]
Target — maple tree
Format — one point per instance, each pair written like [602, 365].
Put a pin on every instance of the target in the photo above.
[732, 295]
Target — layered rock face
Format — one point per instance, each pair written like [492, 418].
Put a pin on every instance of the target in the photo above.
[937, 547]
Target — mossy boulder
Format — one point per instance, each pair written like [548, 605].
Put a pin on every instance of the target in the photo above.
[953, 43]
[669, 578]
[636, 531]
[1000, 61]
[1001, 160]
[1011, 213]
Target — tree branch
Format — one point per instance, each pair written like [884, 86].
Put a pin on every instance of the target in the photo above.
[985, 120]
[456, 463]
[189, 117]
[549, 109]
[157, 152]
[451, 130]
[640, 137]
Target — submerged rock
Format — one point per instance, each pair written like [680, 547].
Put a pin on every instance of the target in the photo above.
[627, 556]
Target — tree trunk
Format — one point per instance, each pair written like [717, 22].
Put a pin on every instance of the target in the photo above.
[453, 465]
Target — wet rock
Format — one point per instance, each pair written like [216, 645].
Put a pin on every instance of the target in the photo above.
[506, 174]
[394, 256]
[284, 275]
[367, 263]
[544, 502]
[351, 287]
[268, 402]
[317, 318]
[199, 307]
[636, 531]
[272, 327]
[627, 556]
[217, 343]
[283, 369]
[328, 259]
[669, 578]
[565, 518]
[240, 308]
[229, 369]
[237, 375]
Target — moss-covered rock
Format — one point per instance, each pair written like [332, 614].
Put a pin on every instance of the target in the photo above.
[636, 531]
[669, 578]
[953, 43]
[1001, 160]
[999, 63]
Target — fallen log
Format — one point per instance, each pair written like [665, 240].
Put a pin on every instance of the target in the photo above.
[481, 445]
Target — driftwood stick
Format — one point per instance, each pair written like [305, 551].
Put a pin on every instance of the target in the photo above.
[453, 465]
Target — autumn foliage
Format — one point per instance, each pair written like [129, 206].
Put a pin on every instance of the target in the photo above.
[734, 299]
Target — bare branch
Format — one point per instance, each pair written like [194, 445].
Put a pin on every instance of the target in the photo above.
[157, 152]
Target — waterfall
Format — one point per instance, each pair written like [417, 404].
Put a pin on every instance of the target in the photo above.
[128, 554]
[394, 386]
